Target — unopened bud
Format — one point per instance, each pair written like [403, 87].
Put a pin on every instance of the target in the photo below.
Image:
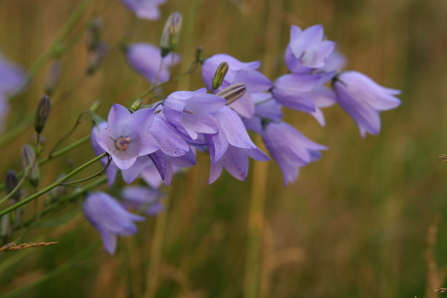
[219, 76]
[199, 52]
[95, 106]
[29, 160]
[232, 93]
[136, 105]
[171, 33]
[42, 112]
[11, 182]
[94, 33]
[52, 77]
[5, 228]
[96, 57]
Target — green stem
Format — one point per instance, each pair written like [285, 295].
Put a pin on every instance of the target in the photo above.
[263, 101]
[56, 154]
[17, 187]
[102, 171]
[78, 122]
[51, 186]
[189, 71]
[50, 275]
[67, 199]
[65, 150]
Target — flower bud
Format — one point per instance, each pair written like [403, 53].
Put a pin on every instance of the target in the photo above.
[52, 77]
[171, 33]
[95, 58]
[219, 75]
[11, 182]
[199, 52]
[94, 33]
[136, 105]
[232, 93]
[5, 228]
[95, 106]
[42, 112]
[29, 160]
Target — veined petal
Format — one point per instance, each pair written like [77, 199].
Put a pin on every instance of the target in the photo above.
[217, 145]
[135, 170]
[215, 170]
[123, 164]
[117, 116]
[232, 126]
[235, 161]
[168, 138]
[253, 80]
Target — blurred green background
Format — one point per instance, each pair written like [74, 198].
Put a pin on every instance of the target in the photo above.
[356, 224]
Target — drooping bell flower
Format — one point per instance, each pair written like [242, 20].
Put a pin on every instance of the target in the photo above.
[126, 136]
[12, 77]
[294, 91]
[146, 59]
[231, 146]
[290, 149]
[109, 218]
[145, 9]
[169, 139]
[307, 49]
[141, 197]
[266, 108]
[363, 99]
[191, 111]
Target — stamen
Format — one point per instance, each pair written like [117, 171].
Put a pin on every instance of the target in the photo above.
[122, 143]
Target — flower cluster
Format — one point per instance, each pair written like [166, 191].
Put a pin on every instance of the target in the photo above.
[156, 141]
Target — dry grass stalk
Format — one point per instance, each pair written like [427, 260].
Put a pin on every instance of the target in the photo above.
[14, 247]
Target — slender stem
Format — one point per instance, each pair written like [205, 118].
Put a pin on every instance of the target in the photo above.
[64, 150]
[51, 186]
[160, 68]
[66, 199]
[12, 192]
[102, 171]
[263, 101]
[55, 154]
[189, 71]
[55, 272]
[78, 121]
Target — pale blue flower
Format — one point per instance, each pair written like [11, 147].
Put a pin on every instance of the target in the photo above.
[290, 149]
[126, 136]
[109, 218]
[145, 9]
[363, 99]
[146, 59]
[307, 49]
[141, 197]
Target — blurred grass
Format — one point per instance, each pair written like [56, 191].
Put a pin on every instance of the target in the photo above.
[354, 225]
